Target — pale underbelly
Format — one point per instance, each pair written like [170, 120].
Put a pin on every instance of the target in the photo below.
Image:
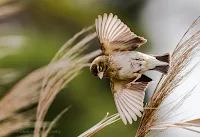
[126, 75]
[126, 67]
[121, 75]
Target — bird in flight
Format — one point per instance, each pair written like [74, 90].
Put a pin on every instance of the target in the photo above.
[125, 67]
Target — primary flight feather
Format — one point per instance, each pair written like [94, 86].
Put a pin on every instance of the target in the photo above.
[125, 67]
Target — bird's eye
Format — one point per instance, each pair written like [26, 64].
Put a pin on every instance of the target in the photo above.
[101, 66]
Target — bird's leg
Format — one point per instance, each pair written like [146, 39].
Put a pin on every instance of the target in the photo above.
[137, 77]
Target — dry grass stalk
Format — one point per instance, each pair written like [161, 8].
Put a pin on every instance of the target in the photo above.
[3, 2]
[67, 64]
[28, 135]
[22, 95]
[182, 56]
[46, 132]
[27, 91]
[10, 7]
[107, 120]
[8, 75]
[17, 122]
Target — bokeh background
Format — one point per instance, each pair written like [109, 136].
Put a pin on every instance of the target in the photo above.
[31, 32]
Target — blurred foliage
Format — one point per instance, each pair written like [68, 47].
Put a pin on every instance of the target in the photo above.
[45, 25]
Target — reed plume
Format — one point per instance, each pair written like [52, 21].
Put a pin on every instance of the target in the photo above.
[185, 53]
[66, 65]
[22, 95]
[15, 114]
[16, 123]
[42, 85]
[10, 7]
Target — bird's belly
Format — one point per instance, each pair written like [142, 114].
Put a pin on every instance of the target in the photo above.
[129, 72]
[129, 69]
[127, 65]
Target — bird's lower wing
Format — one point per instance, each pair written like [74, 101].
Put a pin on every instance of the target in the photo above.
[129, 97]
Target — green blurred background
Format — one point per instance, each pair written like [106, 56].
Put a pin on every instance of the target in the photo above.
[32, 34]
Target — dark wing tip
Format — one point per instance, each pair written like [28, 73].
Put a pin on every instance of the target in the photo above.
[144, 78]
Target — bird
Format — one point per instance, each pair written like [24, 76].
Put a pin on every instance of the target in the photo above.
[124, 66]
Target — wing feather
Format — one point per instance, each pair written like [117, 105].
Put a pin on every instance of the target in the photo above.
[114, 35]
[129, 97]
[97, 30]
[132, 111]
[129, 112]
[112, 26]
[123, 108]
[136, 103]
[135, 97]
[119, 30]
[123, 30]
[107, 25]
[116, 28]
[103, 25]
[119, 109]
[99, 20]
[135, 110]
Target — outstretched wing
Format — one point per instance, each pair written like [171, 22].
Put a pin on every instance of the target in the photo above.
[129, 97]
[114, 35]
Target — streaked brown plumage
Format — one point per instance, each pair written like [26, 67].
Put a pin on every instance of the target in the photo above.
[123, 66]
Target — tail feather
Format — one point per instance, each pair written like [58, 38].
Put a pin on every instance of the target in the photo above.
[164, 58]
[164, 68]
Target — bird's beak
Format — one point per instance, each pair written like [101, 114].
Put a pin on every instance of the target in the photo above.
[100, 75]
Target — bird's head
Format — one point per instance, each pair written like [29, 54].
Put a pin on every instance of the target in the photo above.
[99, 66]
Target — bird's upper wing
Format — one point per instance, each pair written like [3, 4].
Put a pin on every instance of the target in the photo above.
[129, 97]
[114, 35]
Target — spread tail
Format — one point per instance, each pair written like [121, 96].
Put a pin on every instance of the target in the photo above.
[164, 68]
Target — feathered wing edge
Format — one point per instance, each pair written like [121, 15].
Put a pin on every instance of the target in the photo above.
[129, 99]
[111, 30]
